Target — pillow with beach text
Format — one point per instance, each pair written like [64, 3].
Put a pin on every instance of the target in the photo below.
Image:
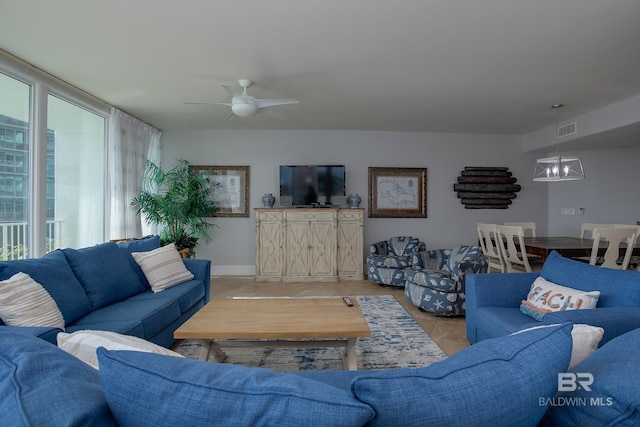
[546, 297]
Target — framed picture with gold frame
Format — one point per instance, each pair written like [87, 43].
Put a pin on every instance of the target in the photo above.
[231, 188]
[397, 192]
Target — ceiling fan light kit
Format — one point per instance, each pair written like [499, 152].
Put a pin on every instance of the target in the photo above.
[558, 168]
[244, 105]
[244, 108]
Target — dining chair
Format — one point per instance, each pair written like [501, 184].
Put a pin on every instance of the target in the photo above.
[529, 228]
[487, 235]
[586, 229]
[614, 237]
[512, 248]
[637, 227]
[634, 260]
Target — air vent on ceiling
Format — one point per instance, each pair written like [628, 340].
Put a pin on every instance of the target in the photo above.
[568, 129]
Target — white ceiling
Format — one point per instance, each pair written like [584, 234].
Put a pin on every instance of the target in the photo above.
[471, 66]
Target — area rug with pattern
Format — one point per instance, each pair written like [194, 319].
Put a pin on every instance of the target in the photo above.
[396, 341]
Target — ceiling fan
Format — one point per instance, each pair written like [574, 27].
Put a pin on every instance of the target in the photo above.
[244, 105]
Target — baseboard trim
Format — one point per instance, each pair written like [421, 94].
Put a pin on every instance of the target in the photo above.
[233, 270]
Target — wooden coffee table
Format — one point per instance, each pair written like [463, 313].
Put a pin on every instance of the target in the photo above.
[276, 322]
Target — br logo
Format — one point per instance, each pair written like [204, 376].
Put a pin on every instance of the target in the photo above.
[569, 381]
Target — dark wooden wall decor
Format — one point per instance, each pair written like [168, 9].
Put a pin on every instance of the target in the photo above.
[486, 187]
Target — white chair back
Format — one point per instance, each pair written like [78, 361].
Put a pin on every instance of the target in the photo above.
[487, 235]
[637, 227]
[614, 237]
[513, 249]
[586, 229]
[529, 228]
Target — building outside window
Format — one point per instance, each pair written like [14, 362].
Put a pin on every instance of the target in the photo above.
[52, 166]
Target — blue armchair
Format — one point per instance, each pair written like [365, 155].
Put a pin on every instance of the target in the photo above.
[436, 281]
[493, 300]
[388, 260]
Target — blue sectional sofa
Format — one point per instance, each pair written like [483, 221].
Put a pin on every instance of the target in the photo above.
[506, 381]
[102, 288]
[494, 300]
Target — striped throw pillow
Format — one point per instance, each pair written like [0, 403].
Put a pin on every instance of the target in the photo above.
[24, 302]
[163, 267]
[83, 345]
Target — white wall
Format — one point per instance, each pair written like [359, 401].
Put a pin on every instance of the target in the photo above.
[232, 249]
[609, 193]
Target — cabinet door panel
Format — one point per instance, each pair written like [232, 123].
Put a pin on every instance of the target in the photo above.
[297, 247]
[350, 251]
[323, 248]
[270, 254]
[349, 248]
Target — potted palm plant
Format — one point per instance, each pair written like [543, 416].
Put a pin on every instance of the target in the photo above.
[178, 201]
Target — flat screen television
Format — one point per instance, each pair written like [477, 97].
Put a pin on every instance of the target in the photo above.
[312, 185]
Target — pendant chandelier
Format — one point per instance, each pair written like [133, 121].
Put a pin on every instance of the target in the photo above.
[558, 168]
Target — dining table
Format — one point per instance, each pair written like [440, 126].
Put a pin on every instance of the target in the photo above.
[570, 247]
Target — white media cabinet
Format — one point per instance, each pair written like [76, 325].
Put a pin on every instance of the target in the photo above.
[309, 244]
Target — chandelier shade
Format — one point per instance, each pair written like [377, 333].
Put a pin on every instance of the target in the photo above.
[558, 168]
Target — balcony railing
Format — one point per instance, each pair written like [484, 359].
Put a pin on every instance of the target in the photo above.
[14, 239]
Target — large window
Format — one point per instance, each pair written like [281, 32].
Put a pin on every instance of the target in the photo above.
[75, 170]
[52, 162]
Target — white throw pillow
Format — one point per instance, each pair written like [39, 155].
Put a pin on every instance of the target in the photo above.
[163, 267]
[24, 302]
[585, 340]
[84, 344]
[546, 297]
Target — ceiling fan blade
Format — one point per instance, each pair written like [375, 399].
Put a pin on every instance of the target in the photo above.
[230, 116]
[272, 113]
[231, 91]
[211, 103]
[273, 102]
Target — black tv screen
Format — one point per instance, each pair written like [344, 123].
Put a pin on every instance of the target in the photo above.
[312, 185]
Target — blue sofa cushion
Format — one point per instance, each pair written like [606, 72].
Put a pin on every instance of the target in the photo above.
[105, 273]
[44, 386]
[188, 294]
[614, 395]
[139, 245]
[126, 327]
[153, 314]
[43, 332]
[145, 389]
[497, 382]
[55, 275]
[617, 287]
[335, 378]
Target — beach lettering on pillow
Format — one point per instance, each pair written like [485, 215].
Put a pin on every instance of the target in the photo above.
[546, 297]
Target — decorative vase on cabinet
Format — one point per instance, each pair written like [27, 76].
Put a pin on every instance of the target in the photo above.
[268, 200]
[354, 200]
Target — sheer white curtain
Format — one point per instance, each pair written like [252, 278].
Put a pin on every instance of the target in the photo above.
[131, 143]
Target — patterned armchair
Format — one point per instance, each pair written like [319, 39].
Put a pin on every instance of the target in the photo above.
[388, 259]
[435, 283]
